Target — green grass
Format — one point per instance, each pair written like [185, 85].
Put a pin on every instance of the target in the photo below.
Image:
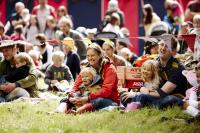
[33, 118]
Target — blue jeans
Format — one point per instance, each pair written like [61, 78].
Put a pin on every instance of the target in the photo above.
[101, 103]
[2, 80]
[147, 100]
[15, 94]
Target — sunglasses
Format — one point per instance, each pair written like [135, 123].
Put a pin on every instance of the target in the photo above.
[197, 68]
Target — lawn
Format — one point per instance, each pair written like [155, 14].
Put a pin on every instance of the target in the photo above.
[26, 117]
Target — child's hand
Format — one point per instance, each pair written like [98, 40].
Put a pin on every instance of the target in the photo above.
[127, 95]
[75, 101]
[144, 90]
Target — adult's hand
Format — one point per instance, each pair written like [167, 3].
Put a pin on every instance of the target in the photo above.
[75, 101]
[8, 87]
[78, 101]
[127, 95]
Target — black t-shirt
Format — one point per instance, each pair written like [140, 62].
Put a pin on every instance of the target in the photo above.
[173, 73]
[14, 17]
[18, 74]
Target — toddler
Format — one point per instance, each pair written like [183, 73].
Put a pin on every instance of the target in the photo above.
[58, 75]
[90, 82]
[150, 77]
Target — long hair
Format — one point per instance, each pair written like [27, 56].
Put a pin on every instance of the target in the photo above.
[96, 48]
[152, 66]
[149, 14]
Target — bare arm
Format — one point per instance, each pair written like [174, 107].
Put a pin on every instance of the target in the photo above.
[166, 89]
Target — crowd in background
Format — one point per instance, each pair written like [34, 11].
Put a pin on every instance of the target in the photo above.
[43, 43]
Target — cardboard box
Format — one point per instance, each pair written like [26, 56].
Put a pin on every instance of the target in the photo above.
[133, 73]
[134, 84]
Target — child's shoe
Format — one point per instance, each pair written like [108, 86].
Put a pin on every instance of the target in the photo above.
[133, 106]
[192, 111]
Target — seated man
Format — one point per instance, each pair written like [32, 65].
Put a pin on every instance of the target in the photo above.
[25, 87]
[173, 84]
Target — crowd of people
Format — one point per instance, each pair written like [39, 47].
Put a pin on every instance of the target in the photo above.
[88, 66]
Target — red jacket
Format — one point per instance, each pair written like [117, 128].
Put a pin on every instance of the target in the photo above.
[108, 86]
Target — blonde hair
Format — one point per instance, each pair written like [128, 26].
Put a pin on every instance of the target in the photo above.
[153, 66]
[196, 18]
[125, 51]
[58, 56]
[24, 57]
[69, 42]
[89, 70]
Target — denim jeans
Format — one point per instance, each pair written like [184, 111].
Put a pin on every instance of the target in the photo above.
[147, 100]
[2, 80]
[15, 94]
[101, 103]
[98, 103]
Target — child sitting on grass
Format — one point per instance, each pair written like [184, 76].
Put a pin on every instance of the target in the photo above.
[89, 84]
[150, 76]
[89, 80]
[58, 75]
[193, 107]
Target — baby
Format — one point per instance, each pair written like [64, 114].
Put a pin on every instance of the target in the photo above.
[89, 81]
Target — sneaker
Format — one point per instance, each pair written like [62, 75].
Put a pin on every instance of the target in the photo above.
[192, 111]
[133, 106]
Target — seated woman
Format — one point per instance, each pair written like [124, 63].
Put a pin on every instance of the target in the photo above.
[107, 95]
[109, 50]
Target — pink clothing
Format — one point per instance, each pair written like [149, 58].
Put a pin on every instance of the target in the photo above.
[15, 37]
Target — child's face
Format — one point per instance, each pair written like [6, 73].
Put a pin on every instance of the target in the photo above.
[33, 20]
[19, 64]
[147, 73]
[87, 78]
[196, 23]
[57, 62]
